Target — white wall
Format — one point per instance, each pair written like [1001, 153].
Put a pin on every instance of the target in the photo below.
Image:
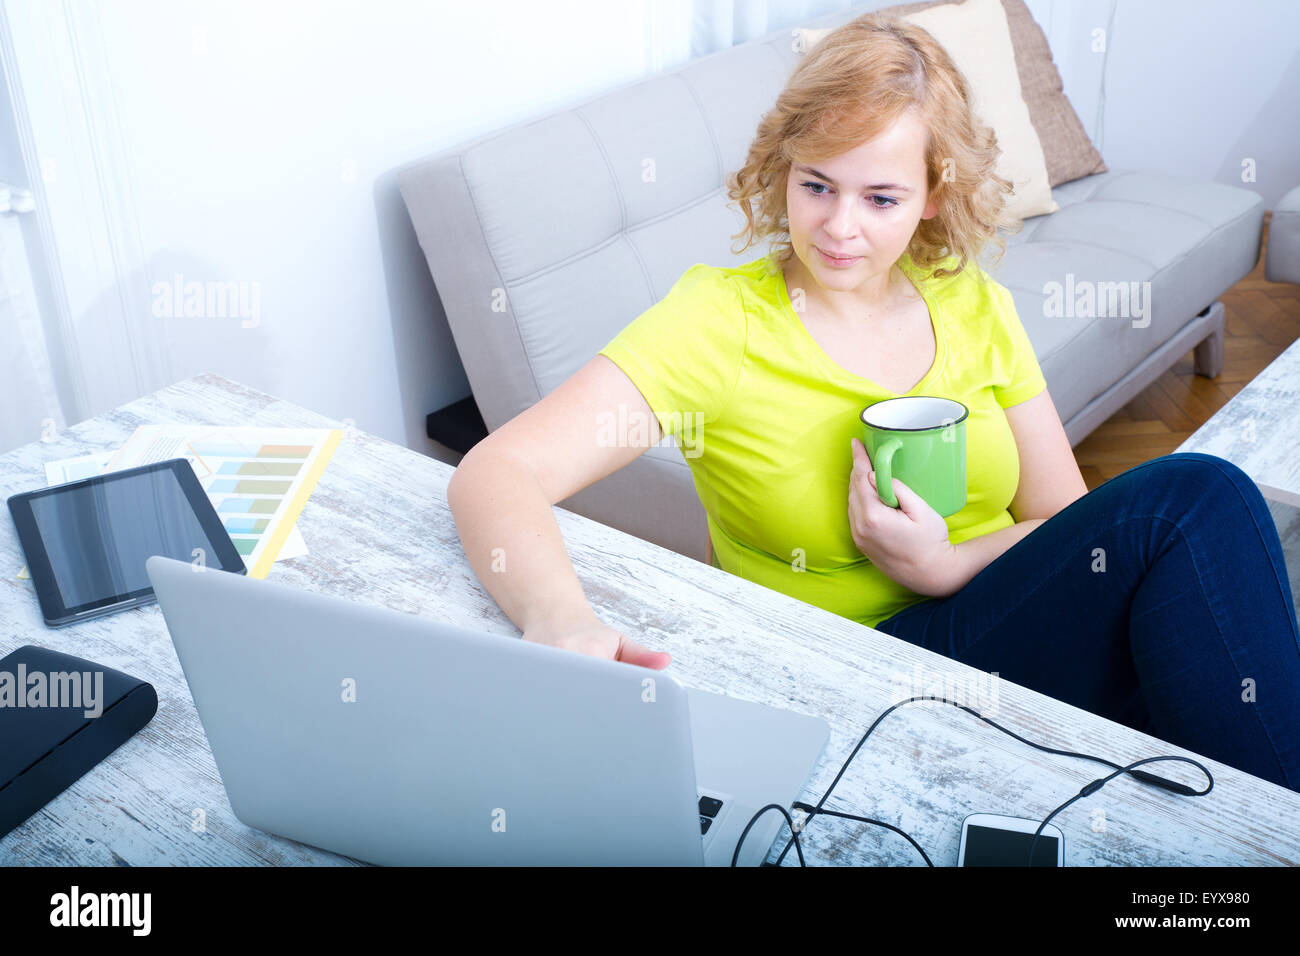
[254, 142]
[1193, 87]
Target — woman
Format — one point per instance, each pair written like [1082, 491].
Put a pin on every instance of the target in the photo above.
[1160, 599]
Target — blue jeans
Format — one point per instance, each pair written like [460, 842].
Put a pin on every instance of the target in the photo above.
[1159, 600]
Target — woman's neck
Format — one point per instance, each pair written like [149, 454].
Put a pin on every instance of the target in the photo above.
[878, 299]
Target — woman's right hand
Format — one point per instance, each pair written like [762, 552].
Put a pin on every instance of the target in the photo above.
[590, 635]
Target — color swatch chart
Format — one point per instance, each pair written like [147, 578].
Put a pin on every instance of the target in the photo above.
[258, 479]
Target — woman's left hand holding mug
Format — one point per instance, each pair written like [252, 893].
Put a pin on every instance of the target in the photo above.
[909, 543]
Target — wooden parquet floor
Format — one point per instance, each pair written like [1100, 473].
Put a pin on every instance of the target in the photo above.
[1262, 319]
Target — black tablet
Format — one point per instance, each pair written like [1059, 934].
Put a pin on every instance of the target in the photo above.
[86, 541]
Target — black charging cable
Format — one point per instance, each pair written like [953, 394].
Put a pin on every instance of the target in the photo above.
[1088, 790]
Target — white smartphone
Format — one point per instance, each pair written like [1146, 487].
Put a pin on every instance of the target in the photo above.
[988, 839]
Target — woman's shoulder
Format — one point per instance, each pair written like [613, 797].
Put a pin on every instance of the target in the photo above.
[969, 289]
[751, 287]
[757, 272]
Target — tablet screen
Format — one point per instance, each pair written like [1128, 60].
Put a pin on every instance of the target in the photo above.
[97, 537]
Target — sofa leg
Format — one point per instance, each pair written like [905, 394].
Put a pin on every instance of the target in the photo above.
[1208, 355]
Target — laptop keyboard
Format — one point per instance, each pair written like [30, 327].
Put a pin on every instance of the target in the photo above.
[710, 807]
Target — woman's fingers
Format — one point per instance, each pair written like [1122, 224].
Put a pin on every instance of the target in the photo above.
[632, 652]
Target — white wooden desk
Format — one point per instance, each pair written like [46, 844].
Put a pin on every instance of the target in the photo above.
[1258, 430]
[380, 533]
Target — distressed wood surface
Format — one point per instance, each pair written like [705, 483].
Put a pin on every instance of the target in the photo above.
[380, 533]
[1258, 430]
[1286, 519]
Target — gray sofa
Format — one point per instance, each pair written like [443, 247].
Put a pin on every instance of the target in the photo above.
[546, 238]
[1283, 262]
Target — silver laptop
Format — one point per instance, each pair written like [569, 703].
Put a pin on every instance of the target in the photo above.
[398, 739]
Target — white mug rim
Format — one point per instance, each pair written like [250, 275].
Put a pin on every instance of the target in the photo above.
[965, 413]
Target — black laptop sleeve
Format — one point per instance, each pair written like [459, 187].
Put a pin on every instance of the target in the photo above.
[46, 744]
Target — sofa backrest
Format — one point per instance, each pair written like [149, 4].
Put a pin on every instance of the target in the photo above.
[546, 238]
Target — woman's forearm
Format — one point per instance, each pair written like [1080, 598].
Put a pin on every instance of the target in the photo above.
[975, 554]
[513, 542]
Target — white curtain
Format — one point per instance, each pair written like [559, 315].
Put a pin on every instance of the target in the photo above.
[38, 404]
[33, 410]
[719, 24]
[682, 30]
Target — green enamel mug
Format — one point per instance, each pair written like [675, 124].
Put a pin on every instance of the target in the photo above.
[921, 441]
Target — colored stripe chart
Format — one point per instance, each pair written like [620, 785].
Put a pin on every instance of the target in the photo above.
[258, 479]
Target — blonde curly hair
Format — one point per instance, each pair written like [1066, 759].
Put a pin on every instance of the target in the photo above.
[850, 88]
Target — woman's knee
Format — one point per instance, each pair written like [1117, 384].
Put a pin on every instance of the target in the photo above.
[1193, 476]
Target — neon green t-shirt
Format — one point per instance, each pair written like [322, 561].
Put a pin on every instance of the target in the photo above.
[764, 417]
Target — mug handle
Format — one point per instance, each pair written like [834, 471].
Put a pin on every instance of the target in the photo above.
[883, 462]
